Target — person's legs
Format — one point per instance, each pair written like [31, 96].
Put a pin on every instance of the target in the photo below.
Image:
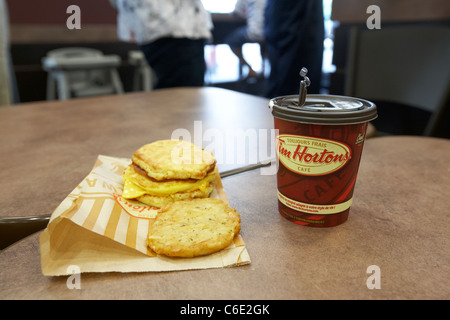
[294, 39]
[177, 62]
[235, 41]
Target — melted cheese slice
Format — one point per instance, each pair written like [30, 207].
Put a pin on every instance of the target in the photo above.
[133, 190]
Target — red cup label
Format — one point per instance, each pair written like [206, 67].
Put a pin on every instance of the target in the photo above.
[311, 156]
[314, 208]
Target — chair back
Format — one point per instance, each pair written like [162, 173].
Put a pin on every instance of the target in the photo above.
[81, 72]
[407, 64]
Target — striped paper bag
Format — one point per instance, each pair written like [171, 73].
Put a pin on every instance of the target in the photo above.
[97, 230]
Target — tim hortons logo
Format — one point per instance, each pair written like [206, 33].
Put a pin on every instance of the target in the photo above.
[311, 156]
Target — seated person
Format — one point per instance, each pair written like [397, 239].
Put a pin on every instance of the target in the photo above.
[253, 12]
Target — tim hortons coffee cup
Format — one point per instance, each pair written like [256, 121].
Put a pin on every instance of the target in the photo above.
[319, 145]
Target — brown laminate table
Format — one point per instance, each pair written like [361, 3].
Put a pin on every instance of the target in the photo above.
[398, 222]
[46, 147]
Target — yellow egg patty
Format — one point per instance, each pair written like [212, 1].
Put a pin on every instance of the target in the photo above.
[160, 193]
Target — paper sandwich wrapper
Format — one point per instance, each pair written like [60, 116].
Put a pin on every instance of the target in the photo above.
[96, 230]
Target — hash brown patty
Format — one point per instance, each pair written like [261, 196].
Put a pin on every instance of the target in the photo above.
[197, 227]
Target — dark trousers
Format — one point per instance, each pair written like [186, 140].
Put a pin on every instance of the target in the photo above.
[294, 39]
[177, 62]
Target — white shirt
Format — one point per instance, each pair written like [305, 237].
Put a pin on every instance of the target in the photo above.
[145, 21]
[253, 12]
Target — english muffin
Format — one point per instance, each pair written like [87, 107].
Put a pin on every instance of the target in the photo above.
[174, 159]
[167, 171]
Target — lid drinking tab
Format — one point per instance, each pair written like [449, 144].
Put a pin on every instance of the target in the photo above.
[304, 84]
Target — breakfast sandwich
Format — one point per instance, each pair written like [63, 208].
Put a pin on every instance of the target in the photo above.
[169, 170]
[191, 228]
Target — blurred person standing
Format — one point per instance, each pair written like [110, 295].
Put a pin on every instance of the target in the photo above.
[294, 32]
[253, 12]
[172, 35]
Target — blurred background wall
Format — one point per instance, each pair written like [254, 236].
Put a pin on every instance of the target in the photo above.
[38, 26]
